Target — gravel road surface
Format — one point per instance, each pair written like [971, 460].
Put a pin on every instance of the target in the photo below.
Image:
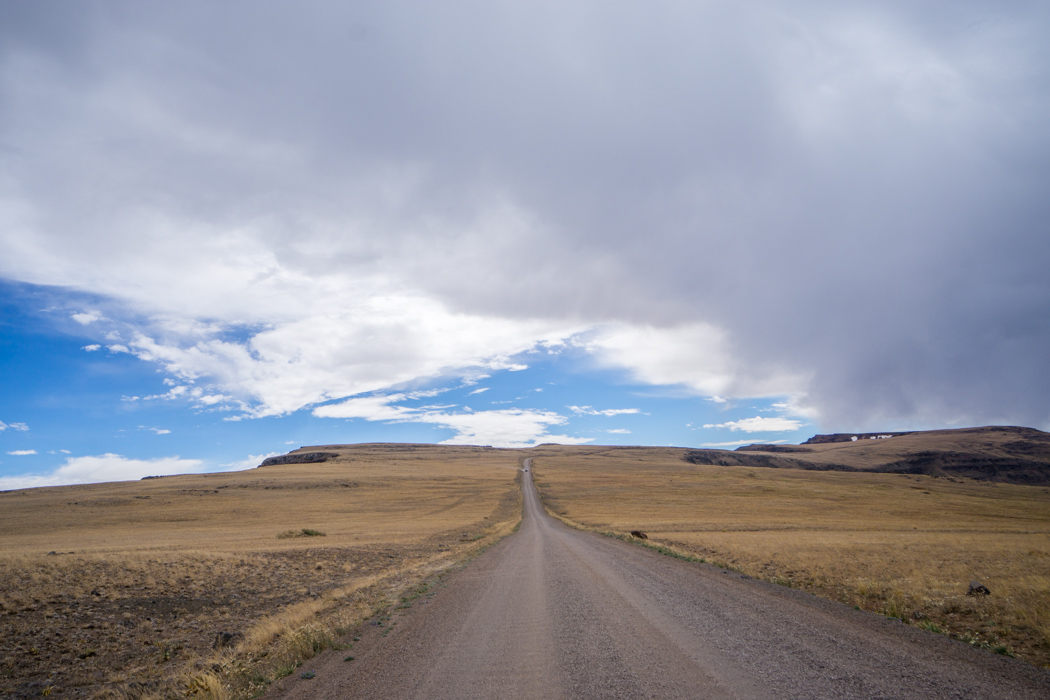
[552, 612]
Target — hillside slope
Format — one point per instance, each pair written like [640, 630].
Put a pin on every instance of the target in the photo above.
[995, 453]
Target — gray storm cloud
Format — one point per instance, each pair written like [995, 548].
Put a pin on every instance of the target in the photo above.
[852, 196]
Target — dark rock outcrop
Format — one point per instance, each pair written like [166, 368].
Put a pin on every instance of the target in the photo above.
[299, 458]
[226, 639]
[1004, 454]
[978, 588]
[725, 458]
[772, 448]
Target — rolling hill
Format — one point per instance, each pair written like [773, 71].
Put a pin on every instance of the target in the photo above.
[994, 453]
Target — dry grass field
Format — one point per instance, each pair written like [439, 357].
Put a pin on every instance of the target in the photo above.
[905, 546]
[207, 585]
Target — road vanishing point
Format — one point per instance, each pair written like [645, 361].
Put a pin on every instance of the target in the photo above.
[553, 612]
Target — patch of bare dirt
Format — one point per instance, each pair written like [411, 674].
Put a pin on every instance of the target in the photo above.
[78, 625]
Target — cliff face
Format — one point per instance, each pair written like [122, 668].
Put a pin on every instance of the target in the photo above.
[299, 458]
[1003, 454]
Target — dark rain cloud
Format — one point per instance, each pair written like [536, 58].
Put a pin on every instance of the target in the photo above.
[854, 193]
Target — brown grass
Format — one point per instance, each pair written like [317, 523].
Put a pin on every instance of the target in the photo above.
[904, 546]
[122, 590]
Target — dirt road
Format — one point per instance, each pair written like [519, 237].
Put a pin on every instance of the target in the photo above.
[551, 612]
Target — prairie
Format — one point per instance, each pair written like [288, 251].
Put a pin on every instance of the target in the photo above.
[214, 584]
[901, 545]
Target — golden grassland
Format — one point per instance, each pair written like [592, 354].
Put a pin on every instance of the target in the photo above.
[900, 545]
[191, 585]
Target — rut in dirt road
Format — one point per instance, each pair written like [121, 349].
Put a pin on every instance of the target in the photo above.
[552, 612]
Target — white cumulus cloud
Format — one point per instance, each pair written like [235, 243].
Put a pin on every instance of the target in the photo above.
[509, 427]
[503, 428]
[697, 356]
[106, 467]
[738, 443]
[369, 345]
[591, 411]
[87, 317]
[759, 424]
[21, 453]
[249, 462]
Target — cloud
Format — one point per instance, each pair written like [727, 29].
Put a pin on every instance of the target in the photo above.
[380, 342]
[840, 204]
[13, 426]
[106, 467]
[503, 428]
[738, 443]
[157, 431]
[759, 424]
[509, 427]
[87, 318]
[590, 411]
[482, 390]
[374, 408]
[698, 356]
[92, 348]
[249, 462]
[22, 452]
[619, 431]
[196, 395]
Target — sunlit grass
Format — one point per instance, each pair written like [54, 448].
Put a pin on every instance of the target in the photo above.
[902, 546]
[141, 579]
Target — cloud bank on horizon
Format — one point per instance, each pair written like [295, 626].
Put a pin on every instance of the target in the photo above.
[106, 467]
[312, 205]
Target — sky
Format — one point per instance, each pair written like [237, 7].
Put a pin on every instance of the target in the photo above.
[231, 229]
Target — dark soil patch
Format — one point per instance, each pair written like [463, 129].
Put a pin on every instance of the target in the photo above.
[79, 625]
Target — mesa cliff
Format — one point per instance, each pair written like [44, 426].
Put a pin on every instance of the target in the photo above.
[995, 453]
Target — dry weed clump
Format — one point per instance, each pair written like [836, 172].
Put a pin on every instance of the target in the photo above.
[898, 545]
[304, 532]
[179, 586]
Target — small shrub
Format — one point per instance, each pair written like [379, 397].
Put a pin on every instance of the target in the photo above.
[307, 641]
[895, 606]
[206, 685]
[305, 532]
